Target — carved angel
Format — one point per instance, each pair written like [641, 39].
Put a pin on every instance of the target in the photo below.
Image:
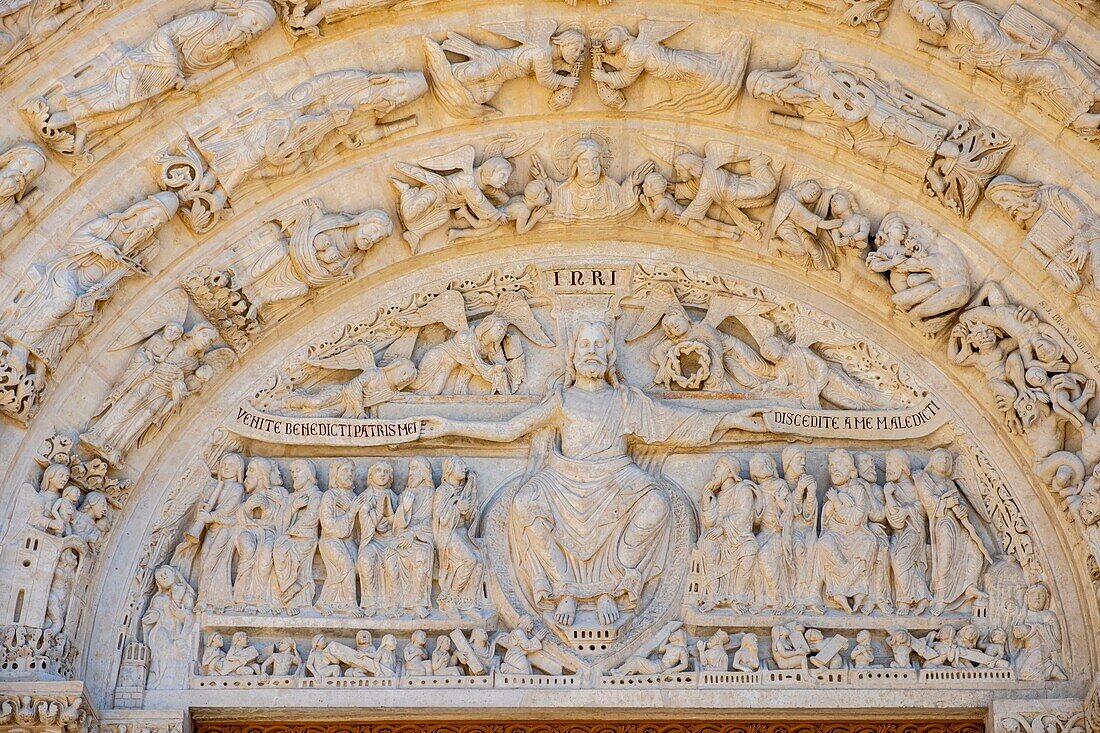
[121, 83]
[456, 187]
[486, 357]
[707, 183]
[165, 370]
[354, 398]
[794, 365]
[717, 357]
[554, 58]
[24, 24]
[704, 83]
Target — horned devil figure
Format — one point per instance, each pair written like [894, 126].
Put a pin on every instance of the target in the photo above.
[705, 187]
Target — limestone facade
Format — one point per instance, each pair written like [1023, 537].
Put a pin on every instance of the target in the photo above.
[387, 362]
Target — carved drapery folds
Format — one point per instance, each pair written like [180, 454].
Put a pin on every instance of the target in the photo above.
[20, 165]
[118, 86]
[338, 110]
[952, 156]
[1019, 51]
[57, 301]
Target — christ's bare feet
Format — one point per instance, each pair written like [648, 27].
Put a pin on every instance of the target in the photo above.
[606, 610]
[566, 612]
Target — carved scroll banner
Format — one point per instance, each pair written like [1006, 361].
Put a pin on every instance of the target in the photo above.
[914, 422]
[331, 431]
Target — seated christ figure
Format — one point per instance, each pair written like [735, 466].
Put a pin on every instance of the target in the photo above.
[589, 527]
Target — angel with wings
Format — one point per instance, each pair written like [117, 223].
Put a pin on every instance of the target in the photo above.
[730, 358]
[454, 185]
[794, 366]
[486, 358]
[554, 58]
[354, 398]
[707, 182]
[705, 83]
[165, 370]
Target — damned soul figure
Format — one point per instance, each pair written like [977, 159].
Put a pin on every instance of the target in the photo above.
[589, 526]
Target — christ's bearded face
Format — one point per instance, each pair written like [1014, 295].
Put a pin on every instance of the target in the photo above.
[590, 351]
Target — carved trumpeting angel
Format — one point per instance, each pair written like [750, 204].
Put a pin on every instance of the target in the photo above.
[485, 358]
[703, 82]
[122, 83]
[706, 184]
[165, 370]
[727, 358]
[589, 529]
[553, 57]
[1017, 49]
[373, 385]
[456, 187]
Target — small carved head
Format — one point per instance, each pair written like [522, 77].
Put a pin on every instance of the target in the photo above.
[536, 194]
[727, 468]
[808, 191]
[719, 639]
[586, 161]
[240, 638]
[897, 465]
[253, 17]
[215, 641]
[419, 637]
[479, 636]
[592, 352]
[1037, 596]
[688, 165]
[654, 185]
[495, 172]
[491, 330]
[750, 642]
[342, 474]
[363, 639]
[1017, 198]
[400, 373]
[231, 467]
[374, 226]
[773, 348]
[762, 467]
[940, 462]
[614, 38]
[865, 463]
[95, 505]
[794, 463]
[71, 493]
[379, 475]
[302, 473]
[929, 14]
[319, 641]
[258, 474]
[570, 44]
[676, 325]
[54, 478]
[420, 472]
[863, 637]
[454, 471]
[202, 337]
[24, 164]
[389, 641]
[443, 643]
[842, 468]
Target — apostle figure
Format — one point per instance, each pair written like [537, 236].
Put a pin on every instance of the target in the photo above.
[376, 564]
[847, 548]
[338, 507]
[454, 519]
[774, 514]
[806, 583]
[413, 545]
[909, 542]
[294, 548]
[958, 554]
[218, 520]
[588, 525]
[727, 549]
[257, 526]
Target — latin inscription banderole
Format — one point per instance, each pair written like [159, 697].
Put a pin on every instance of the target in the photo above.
[869, 425]
[886, 425]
